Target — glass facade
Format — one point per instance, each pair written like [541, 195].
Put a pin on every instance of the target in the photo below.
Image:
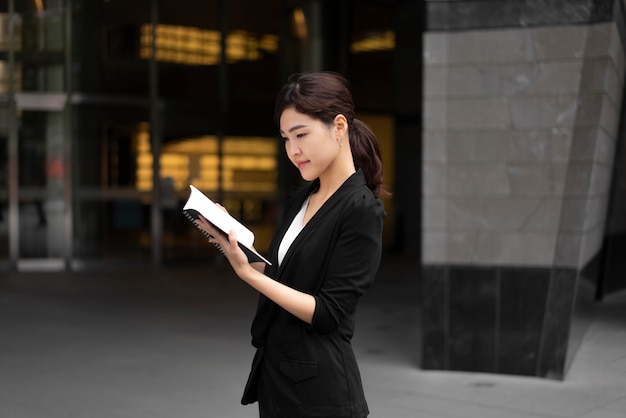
[159, 79]
[110, 109]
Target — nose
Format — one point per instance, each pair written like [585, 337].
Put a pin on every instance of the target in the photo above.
[292, 148]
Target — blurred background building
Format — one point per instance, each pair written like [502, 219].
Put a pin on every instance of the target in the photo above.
[500, 121]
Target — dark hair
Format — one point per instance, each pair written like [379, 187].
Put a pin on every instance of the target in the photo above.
[323, 96]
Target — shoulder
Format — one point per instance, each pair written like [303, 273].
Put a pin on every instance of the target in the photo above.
[359, 196]
[363, 202]
[360, 203]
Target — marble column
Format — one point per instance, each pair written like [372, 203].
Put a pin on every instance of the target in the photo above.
[521, 110]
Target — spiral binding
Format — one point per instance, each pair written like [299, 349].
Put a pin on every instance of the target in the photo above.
[206, 234]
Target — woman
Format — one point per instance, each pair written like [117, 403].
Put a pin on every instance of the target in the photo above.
[324, 257]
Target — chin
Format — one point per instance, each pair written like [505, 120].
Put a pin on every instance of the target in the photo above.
[307, 176]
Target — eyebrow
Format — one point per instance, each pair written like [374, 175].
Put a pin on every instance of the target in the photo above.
[293, 128]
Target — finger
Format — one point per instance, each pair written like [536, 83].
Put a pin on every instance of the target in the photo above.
[221, 207]
[232, 238]
[207, 226]
[203, 221]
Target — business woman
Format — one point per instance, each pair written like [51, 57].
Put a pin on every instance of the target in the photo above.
[324, 257]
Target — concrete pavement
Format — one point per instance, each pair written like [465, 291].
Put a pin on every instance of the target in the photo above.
[174, 343]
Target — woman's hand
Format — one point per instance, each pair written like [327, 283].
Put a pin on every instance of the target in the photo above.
[226, 243]
[299, 304]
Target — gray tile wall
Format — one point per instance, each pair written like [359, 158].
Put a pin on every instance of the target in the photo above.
[519, 134]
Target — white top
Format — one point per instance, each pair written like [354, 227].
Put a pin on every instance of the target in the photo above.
[293, 231]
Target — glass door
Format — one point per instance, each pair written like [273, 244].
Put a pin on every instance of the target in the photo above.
[41, 170]
[40, 167]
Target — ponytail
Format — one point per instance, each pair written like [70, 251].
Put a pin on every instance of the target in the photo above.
[367, 156]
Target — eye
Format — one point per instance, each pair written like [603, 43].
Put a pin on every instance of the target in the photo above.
[284, 138]
[300, 135]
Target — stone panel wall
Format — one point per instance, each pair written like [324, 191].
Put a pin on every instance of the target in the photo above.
[519, 132]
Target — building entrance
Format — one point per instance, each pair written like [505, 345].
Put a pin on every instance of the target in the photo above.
[110, 109]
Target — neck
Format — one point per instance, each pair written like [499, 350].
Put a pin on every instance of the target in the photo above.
[335, 176]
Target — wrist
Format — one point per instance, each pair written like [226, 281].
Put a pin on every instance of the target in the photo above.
[245, 272]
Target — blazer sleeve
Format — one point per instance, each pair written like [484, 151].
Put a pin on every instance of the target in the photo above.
[353, 263]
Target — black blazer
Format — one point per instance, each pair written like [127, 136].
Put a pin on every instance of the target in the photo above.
[311, 370]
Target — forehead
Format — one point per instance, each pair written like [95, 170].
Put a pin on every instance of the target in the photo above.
[291, 119]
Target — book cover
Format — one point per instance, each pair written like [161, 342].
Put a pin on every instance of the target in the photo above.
[199, 203]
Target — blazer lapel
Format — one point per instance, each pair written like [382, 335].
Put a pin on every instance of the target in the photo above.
[350, 184]
[274, 271]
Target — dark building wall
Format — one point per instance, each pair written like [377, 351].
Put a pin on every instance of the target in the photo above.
[521, 114]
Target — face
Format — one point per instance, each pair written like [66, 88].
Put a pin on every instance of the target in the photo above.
[311, 145]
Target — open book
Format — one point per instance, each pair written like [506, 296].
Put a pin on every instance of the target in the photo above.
[199, 203]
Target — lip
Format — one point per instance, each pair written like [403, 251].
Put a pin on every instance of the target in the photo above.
[301, 164]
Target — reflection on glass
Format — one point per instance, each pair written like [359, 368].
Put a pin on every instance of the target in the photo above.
[38, 40]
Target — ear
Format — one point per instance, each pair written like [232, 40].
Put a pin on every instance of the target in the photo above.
[341, 125]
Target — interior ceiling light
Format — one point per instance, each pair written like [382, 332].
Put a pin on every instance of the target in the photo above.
[194, 46]
[379, 41]
[299, 23]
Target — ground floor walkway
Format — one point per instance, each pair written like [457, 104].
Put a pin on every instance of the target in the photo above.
[174, 343]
